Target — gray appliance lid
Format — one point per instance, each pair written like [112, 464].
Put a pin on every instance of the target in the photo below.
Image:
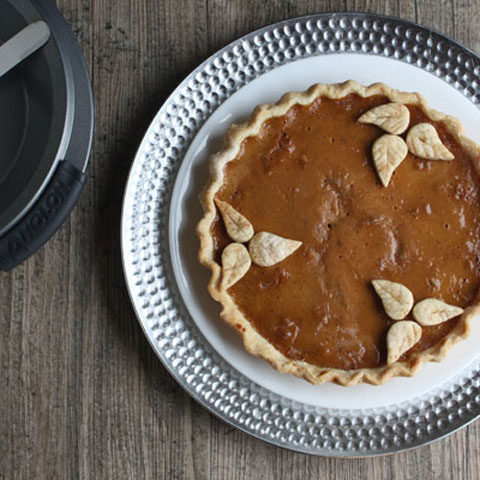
[43, 120]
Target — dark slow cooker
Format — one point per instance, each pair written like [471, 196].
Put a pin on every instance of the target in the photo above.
[46, 123]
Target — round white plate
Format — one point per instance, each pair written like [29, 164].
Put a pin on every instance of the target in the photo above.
[185, 214]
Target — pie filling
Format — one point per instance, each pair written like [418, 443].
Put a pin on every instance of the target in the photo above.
[309, 176]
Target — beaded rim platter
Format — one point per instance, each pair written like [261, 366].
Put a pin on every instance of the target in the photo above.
[150, 242]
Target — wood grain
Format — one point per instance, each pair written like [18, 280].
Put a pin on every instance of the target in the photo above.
[83, 395]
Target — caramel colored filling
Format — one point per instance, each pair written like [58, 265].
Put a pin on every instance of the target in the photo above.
[309, 176]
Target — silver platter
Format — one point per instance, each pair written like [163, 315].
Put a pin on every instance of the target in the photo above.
[196, 366]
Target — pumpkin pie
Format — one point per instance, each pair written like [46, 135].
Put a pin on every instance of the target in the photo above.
[341, 229]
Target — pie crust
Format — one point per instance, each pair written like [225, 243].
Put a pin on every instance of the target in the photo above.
[255, 343]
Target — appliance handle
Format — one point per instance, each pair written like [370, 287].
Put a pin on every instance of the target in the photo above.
[44, 218]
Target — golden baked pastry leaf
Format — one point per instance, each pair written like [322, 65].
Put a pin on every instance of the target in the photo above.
[401, 336]
[423, 141]
[239, 229]
[391, 117]
[432, 312]
[235, 264]
[388, 153]
[397, 299]
[268, 249]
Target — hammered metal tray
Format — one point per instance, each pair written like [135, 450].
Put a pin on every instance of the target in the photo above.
[147, 254]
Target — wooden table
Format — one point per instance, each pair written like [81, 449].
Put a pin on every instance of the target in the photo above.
[82, 393]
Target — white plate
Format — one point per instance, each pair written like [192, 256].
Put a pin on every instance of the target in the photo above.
[185, 214]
